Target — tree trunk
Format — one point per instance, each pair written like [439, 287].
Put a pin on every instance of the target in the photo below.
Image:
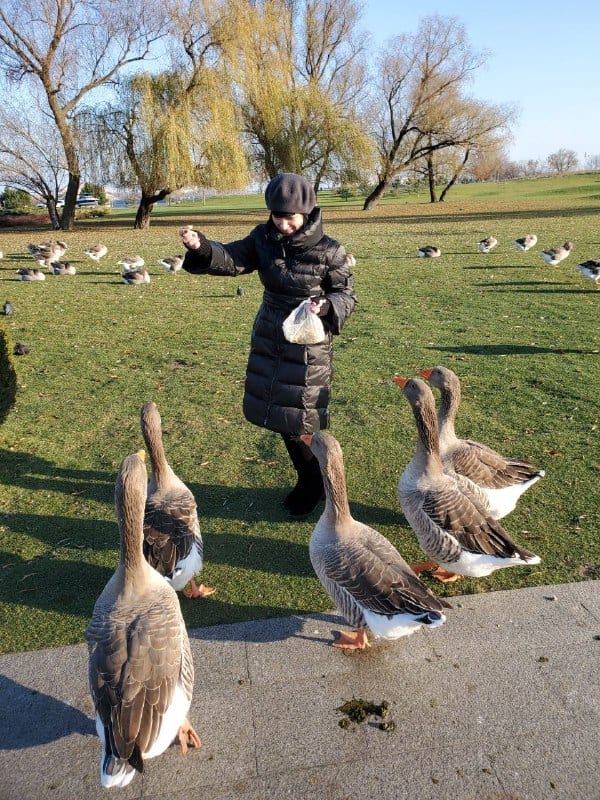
[456, 176]
[142, 218]
[68, 214]
[431, 179]
[376, 194]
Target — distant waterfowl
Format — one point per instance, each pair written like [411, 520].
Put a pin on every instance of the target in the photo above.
[131, 263]
[20, 349]
[591, 269]
[141, 673]
[96, 252]
[136, 276]
[363, 573]
[429, 251]
[47, 252]
[8, 308]
[30, 274]
[487, 244]
[555, 255]
[526, 242]
[172, 539]
[240, 291]
[172, 263]
[503, 480]
[452, 527]
[62, 268]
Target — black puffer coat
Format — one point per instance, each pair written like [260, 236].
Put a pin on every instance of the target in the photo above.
[287, 385]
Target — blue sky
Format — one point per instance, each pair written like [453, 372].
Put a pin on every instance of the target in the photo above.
[543, 56]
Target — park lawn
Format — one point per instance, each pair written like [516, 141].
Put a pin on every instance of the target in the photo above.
[522, 336]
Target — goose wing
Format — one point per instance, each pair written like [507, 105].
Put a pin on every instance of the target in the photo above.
[487, 468]
[135, 664]
[371, 570]
[171, 530]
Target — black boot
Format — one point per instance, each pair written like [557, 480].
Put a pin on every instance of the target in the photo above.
[308, 490]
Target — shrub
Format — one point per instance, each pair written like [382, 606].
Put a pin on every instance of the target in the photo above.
[8, 375]
[15, 199]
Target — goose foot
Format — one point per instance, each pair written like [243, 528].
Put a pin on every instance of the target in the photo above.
[198, 591]
[355, 640]
[188, 737]
[439, 573]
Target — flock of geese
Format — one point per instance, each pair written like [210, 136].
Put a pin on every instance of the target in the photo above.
[452, 492]
[49, 256]
[553, 255]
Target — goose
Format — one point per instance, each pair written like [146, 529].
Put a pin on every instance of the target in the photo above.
[429, 251]
[555, 255]
[172, 539]
[172, 263]
[131, 263]
[366, 577]
[503, 480]
[526, 242]
[30, 274]
[96, 251]
[487, 245]
[140, 669]
[8, 308]
[591, 269]
[451, 524]
[62, 268]
[136, 276]
[47, 252]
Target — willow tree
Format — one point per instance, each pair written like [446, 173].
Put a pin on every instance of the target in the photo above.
[298, 72]
[70, 48]
[417, 74]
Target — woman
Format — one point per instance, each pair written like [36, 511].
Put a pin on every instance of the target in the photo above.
[287, 385]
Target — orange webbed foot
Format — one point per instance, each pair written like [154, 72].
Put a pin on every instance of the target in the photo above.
[443, 576]
[355, 640]
[198, 591]
[424, 566]
[188, 737]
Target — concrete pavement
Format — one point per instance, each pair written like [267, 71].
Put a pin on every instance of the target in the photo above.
[501, 703]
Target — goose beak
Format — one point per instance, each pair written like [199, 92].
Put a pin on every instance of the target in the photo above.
[306, 438]
[400, 380]
[425, 373]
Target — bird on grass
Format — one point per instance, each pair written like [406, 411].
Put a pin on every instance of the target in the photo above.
[136, 276]
[172, 263]
[451, 523]
[503, 480]
[131, 263]
[8, 308]
[429, 251]
[96, 251]
[240, 291]
[366, 577]
[140, 669]
[172, 538]
[555, 255]
[591, 269]
[526, 242]
[20, 349]
[62, 268]
[487, 245]
[47, 252]
[30, 274]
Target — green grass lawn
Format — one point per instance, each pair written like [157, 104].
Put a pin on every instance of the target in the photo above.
[522, 336]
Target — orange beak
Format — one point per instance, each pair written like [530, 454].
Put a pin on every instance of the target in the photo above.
[306, 438]
[425, 373]
[400, 380]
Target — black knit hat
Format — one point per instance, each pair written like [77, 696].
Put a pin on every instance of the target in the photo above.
[288, 193]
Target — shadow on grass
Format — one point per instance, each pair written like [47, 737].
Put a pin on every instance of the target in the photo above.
[510, 350]
[33, 718]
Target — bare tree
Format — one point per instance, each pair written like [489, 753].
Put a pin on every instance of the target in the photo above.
[418, 73]
[70, 48]
[32, 158]
[592, 162]
[563, 160]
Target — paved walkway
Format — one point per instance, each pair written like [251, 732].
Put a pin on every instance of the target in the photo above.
[501, 703]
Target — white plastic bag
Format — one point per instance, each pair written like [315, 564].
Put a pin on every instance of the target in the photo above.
[302, 326]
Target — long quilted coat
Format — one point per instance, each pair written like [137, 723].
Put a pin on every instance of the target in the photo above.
[287, 385]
